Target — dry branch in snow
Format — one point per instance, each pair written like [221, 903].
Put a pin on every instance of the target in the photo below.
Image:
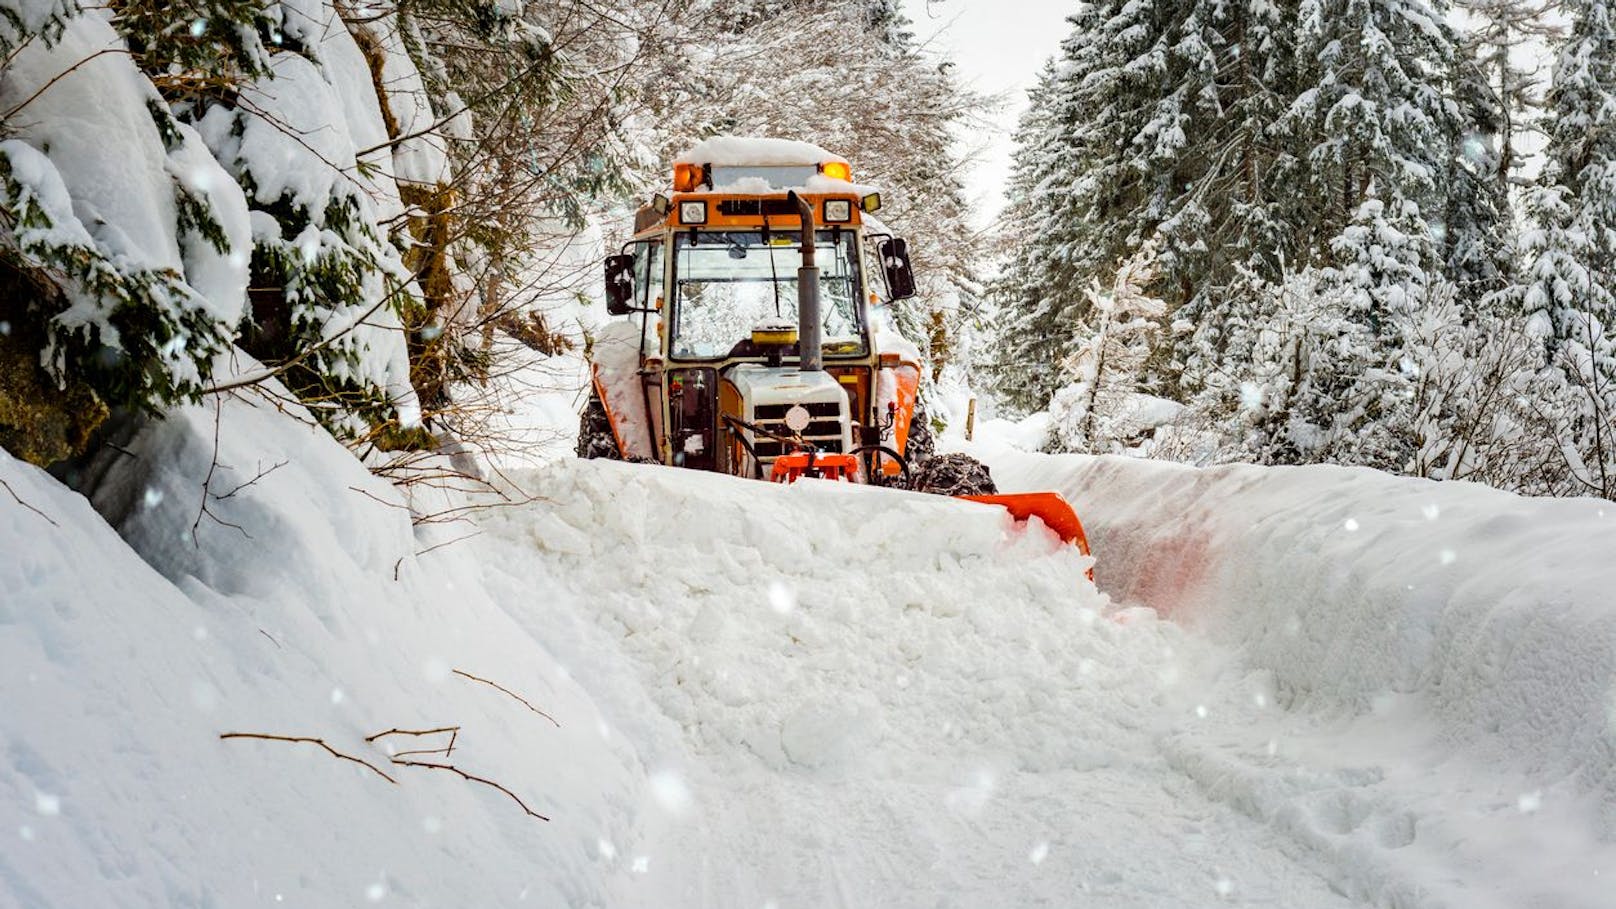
[513, 694]
[311, 741]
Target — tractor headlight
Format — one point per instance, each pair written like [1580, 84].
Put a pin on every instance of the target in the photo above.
[838, 211]
[692, 212]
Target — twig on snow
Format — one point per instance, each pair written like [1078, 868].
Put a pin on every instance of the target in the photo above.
[311, 741]
[261, 474]
[471, 778]
[513, 694]
[31, 508]
[454, 735]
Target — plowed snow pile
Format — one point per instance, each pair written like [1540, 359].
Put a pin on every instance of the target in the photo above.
[1445, 652]
[855, 697]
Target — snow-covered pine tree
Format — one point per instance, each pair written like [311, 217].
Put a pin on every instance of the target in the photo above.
[1570, 283]
[1077, 192]
[1500, 41]
[282, 98]
[1476, 240]
[1158, 127]
[1232, 220]
[1379, 132]
[1027, 296]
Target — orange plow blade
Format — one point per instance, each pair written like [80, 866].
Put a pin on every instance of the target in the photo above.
[1049, 507]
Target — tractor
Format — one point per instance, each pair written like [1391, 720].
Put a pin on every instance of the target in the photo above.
[759, 341]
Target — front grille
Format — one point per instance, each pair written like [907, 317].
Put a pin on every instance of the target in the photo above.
[774, 413]
[824, 430]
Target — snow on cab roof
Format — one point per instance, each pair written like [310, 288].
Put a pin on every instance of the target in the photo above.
[754, 151]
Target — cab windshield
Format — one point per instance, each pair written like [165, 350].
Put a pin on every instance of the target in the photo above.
[727, 282]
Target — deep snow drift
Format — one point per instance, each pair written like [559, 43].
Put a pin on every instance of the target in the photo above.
[316, 614]
[1448, 652]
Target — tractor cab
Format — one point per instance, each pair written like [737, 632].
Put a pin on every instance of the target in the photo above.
[755, 294]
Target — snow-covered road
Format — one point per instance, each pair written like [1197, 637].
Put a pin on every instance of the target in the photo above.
[857, 697]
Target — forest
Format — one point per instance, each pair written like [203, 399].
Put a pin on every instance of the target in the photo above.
[1364, 232]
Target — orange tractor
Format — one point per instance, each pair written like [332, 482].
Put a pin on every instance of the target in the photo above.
[760, 343]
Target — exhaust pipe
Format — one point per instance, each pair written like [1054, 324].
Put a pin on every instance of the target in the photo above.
[810, 349]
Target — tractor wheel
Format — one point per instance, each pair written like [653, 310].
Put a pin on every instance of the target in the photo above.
[921, 446]
[953, 474]
[595, 437]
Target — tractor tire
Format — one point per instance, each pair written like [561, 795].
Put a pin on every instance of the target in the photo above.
[953, 474]
[921, 445]
[595, 436]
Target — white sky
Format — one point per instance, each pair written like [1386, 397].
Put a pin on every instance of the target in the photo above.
[997, 46]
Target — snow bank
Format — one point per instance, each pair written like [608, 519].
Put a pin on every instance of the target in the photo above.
[1489, 611]
[300, 603]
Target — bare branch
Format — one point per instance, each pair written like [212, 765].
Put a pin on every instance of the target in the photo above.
[260, 476]
[311, 741]
[31, 508]
[513, 694]
[471, 778]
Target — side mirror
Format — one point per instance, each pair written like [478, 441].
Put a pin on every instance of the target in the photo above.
[895, 262]
[620, 285]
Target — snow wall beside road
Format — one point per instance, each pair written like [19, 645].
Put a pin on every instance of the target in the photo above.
[1352, 586]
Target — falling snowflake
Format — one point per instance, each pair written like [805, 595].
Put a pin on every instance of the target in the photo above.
[1251, 395]
[47, 804]
[670, 791]
[781, 599]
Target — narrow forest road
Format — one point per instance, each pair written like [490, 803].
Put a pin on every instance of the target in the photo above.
[852, 697]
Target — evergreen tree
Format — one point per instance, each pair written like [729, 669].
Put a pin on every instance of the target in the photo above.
[1077, 189]
[1570, 289]
[1027, 295]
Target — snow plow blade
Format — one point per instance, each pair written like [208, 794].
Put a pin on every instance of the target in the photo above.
[1049, 507]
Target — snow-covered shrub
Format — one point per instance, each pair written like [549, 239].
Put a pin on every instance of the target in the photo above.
[1482, 409]
[130, 234]
[1102, 410]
